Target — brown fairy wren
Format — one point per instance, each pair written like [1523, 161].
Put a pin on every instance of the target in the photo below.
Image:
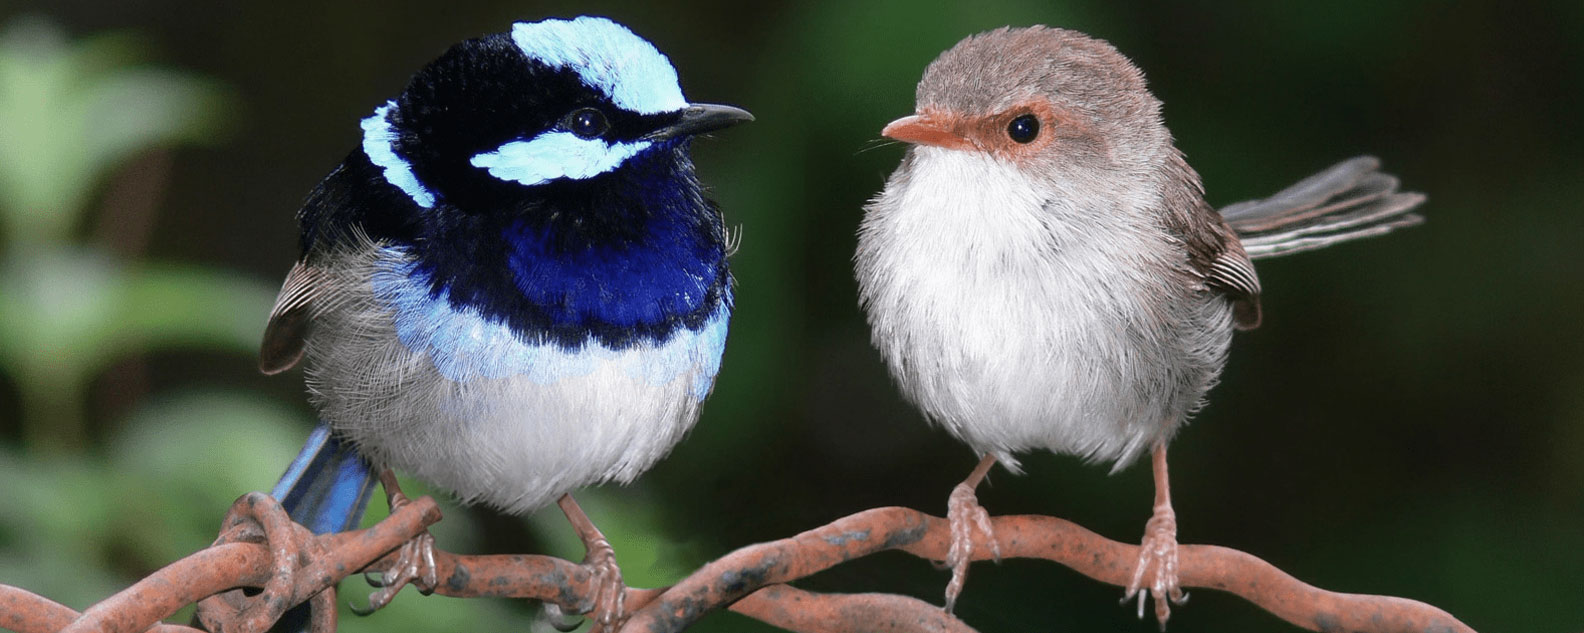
[1042, 270]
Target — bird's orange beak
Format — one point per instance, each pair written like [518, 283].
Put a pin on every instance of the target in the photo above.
[926, 129]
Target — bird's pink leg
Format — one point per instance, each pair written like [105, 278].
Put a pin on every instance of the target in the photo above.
[610, 592]
[1158, 553]
[964, 513]
[415, 561]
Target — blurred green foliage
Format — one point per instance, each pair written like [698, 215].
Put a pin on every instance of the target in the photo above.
[70, 112]
[1408, 420]
[74, 111]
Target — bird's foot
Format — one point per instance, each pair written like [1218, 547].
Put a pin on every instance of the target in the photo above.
[1157, 562]
[415, 565]
[964, 513]
[609, 602]
[610, 593]
[608, 605]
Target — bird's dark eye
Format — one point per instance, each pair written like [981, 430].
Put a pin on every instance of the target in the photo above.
[1024, 128]
[587, 123]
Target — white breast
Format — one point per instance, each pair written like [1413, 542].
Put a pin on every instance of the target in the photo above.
[1013, 316]
[468, 406]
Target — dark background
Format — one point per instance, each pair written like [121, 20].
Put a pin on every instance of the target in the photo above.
[1407, 421]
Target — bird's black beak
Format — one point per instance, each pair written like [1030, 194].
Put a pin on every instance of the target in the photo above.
[698, 118]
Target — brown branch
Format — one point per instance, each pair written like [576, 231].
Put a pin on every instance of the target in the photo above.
[25, 612]
[318, 562]
[298, 567]
[802, 611]
[746, 570]
[570, 585]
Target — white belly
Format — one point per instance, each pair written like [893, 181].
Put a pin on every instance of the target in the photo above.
[1007, 323]
[481, 413]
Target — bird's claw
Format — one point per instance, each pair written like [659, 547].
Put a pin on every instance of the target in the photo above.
[415, 565]
[964, 514]
[561, 620]
[609, 603]
[610, 593]
[415, 559]
[1158, 560]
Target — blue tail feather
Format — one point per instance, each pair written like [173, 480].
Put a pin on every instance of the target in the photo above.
[328, 486]
[326, 489]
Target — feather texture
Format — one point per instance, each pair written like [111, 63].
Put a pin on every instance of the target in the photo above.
[327, 486]
[488, 413]
[1071, 290]
[1348, 201]
[499, 302]
[1004, 320]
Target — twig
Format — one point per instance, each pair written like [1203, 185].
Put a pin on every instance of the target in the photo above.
[749, 581]
[1207, 566]
[802, 611]
[322, 562]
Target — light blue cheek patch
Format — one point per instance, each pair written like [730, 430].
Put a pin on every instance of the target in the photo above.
[379, 144]
[553, 155]
[608, 57]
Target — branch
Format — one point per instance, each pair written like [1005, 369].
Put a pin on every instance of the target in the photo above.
[259, 548]
[25, 612]
[746, 570]
[569, 585]
[301, 567]
[802, 611]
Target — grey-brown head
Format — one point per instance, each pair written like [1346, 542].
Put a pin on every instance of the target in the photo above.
[1048, 99]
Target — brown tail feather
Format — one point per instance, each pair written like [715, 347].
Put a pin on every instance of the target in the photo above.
[1348, 201]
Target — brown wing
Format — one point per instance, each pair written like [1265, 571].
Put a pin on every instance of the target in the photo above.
[1232, 273]
[288, 321]
[1214, 252]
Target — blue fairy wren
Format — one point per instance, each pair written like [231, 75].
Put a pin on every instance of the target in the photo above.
[514, 286]
[1042, 270]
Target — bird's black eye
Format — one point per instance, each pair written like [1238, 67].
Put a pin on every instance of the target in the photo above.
[587, 123]
[1024, 128]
